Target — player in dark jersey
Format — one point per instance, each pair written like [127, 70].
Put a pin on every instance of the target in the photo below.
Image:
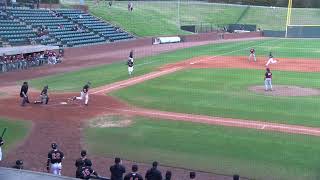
[18, 165]
[55, 157]
[83, 159]
[84, 171]
[84, 94]
[44, 98]
[252, 54]
[268, 80]
[133, 175]
[153, 173]
[117, 170]
[24, 93]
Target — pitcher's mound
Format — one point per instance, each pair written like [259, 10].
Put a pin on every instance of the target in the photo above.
[281, 90]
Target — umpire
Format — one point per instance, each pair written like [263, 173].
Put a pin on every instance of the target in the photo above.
[117, 170]
[23, 93]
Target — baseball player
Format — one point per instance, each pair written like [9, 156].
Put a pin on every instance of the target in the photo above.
[18, 165]
[85, 171]
[268, 80]
[23, 93]
[271, 60]
[44, 98]
[1, 144]
[134, 174]
[55, 157]
[83, 159]
[130, 63]
[252, 54]
[84, 94]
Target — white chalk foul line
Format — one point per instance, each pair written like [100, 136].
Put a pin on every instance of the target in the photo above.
[230, 122]
[129, 82]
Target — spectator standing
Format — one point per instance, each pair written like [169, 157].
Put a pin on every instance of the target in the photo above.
[153, 173]
[117, 170]
[133, 175]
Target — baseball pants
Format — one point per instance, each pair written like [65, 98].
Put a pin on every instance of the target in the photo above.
[130, 70]
[268, 84]
[254, 57]
[24, 100]
[56, 168]
[84, 96]
[0, 154]
[271, 61]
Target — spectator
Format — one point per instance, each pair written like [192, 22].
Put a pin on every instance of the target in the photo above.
[117, 170]
[133, 175]
[80, 16]
[168, 175]
[192, 175]
[236, 177]
[153, 173]
[1, 64]
[18, 165]
[60, 26]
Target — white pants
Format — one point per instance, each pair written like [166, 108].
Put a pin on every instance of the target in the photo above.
[56, 168]
[84, 96]
[268, 84]
[252, 55]
[271, 61]
[0, 154]
[130, 70]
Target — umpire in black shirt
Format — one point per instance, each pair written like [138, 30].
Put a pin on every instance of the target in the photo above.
[23, 93]
[153, 173]
[117, 170]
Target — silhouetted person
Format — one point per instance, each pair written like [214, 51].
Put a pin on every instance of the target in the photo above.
[117, 170]
[153, 173]
[192, 175]
[236, 177]
[168, 175]
[133, 175]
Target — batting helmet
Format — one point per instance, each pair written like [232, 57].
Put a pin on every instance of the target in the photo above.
[83, 153]
[54, 145]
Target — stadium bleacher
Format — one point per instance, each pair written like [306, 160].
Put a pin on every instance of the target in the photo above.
[64, 28]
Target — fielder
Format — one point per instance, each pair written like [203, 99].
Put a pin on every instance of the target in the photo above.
[84, 94]
[44, 98]
[268, 80]
[130, 63]
[54, 160]
[252, 54]
[271, 60]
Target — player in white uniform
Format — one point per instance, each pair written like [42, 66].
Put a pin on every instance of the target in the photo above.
[271, 60]
[1, 143]
[252, 54]
[55, 157]
[130, 63]
[84, 94]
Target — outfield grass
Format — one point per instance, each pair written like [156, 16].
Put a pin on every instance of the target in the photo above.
[101, 75]
[251, 153]
[16, 132]
[162, 18]
[223, 93]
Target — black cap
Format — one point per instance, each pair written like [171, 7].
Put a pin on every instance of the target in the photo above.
[236, 177]
[19, 162]
[83, 153]
[155, 164]
[117, 160]
[192, 175]
[134, 168]
[54, 145]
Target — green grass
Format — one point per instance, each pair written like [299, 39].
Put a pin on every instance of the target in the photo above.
[162, 18]
[73, 81]
[251, 153]
[223, 93]
[16, 132]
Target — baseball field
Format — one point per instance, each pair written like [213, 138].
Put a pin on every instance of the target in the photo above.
[210, 81]
[199, 108]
